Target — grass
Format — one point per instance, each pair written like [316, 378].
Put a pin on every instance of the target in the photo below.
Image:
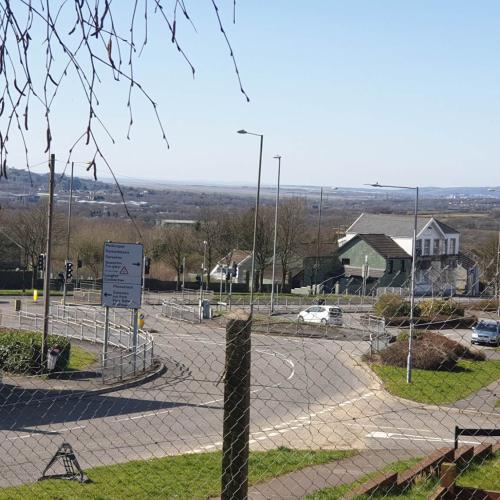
[485, 475]
[337, 492]
[29, 293]
[497, 404]
[80, 358]
[439, 387]
[192, 476]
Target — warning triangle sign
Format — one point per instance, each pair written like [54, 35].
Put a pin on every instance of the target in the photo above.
[123, 270]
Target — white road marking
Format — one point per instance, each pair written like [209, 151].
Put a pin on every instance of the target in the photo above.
[413, 437]
[59, 431]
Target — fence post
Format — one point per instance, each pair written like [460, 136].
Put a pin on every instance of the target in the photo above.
[236, 424]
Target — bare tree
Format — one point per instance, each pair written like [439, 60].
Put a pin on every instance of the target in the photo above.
[291, 223]
[86, 42]
[173, 245]
[29, 227]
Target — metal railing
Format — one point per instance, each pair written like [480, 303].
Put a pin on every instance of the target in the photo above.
[181, 312]
[87, 324]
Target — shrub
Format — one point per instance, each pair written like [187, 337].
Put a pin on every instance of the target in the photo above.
[440, 307]
[390, 305]
[489, 305]
[20, 352]
[430, 351]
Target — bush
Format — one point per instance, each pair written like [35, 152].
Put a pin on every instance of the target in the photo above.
[390, 305]
[490, 305]
[440, 307]
[431, 351]
[20, 352]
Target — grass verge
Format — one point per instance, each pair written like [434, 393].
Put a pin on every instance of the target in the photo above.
[439, 387]
[337, 492]
[29, 293]
[80, 358]
[193, 476]
[484, 475]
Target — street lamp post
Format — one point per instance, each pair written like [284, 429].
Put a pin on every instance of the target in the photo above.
[412, 279]
[257, 199]
[278, 157]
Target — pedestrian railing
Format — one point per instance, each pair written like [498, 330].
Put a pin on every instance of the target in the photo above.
[181, 312]
[87, 324]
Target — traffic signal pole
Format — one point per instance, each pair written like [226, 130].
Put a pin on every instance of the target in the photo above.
[48, 255]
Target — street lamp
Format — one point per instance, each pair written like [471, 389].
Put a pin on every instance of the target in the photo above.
[257, 199]
[277, 157]
[412, 281]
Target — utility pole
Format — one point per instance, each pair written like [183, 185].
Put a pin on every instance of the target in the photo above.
[497, 277]
[70, 202]
[278, 157]
[46, 281]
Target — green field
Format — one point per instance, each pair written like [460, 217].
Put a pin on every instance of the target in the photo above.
[439, 387]
[191, 476]
[80, 358]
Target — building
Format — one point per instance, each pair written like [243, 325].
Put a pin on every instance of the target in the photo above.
[374, 260]
[440, 267]
[242, 262]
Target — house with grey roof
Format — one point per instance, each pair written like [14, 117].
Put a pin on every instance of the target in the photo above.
[437, 249]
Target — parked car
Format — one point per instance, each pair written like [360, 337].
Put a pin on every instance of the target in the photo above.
[326, 315]
[487, 331]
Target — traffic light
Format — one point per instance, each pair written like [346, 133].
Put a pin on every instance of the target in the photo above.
[68, 271]
[79, 263]
[198, 279]
[181, 269]
[147, 265]
[235, 269]
[41, 262]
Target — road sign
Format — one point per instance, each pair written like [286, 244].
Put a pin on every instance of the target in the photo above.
[122, 275]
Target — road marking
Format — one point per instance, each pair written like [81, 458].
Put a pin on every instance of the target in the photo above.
[366, 426]
[58, 431]
[413, 437]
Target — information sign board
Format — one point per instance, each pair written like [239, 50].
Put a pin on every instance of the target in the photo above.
[122, 275]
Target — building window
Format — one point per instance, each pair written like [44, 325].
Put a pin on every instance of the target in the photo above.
[418, 248]
[435, 248]
[427, 246]
[403, 265]
[346, 262]
[390, 266]
[453, 246]
[445, 247]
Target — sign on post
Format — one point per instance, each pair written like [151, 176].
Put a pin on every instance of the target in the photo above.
[122, 275]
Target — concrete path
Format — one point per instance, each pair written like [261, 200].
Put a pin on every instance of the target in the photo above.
[299, 484]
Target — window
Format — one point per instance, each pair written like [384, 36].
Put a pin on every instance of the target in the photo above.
[403, 265]
[346, 262]
[453, 246]
[427, 246]
[445, 247]
[390, 266]
[418, 248]
[435, 248]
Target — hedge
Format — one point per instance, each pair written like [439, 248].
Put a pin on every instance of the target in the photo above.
[20, 351]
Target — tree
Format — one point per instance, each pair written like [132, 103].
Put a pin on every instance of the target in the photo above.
[488, 255]
[83, 43]
[264, 238]
[172, 246]
[28, 226]
[291, 224]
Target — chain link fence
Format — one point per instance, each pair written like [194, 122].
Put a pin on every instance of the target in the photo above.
[286, 408]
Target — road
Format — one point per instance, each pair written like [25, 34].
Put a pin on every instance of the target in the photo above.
[305, 393]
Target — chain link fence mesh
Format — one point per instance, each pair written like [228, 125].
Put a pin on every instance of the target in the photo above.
[329, 405]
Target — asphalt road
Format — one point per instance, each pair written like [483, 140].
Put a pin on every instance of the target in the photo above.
[305, 393]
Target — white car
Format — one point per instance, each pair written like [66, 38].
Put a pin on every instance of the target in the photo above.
[325, 315]
[487, 331]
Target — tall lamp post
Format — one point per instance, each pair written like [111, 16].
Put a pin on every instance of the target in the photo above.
[278, 157]
[412, 280]
[257, 199]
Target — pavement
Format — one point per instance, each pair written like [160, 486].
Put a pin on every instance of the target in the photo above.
[306, 393]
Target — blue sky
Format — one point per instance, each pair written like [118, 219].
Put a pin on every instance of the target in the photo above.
[348, 92]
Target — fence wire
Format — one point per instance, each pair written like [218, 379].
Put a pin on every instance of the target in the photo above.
[328, 411]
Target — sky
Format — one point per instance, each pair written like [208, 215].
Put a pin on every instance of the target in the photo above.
[348, 92]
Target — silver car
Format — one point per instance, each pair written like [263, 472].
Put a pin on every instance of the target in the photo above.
[487, 331]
